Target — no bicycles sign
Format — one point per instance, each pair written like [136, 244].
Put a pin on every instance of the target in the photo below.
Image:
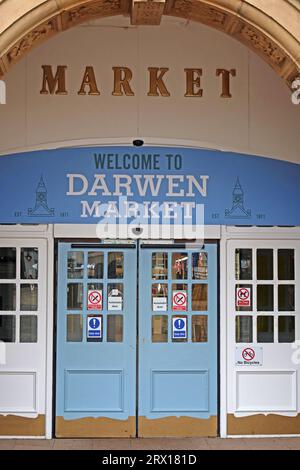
[248, 356]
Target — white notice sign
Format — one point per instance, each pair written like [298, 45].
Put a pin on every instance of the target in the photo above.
[249, 356]
[115, 302]
[159, 304]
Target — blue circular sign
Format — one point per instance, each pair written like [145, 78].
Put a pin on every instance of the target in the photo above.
[179, 324]
[94, 323]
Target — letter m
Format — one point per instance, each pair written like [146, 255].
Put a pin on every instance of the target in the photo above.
[2, 92]
[54, 83]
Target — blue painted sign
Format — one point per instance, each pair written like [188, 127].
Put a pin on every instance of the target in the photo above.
[179, 328]
[157, 184]
[94, 327]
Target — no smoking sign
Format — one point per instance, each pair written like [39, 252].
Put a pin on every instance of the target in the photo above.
[179, 300]
[94, 299]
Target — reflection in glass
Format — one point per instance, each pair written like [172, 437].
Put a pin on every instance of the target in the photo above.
[265, 298]
[264, 263]
[159, 266]
[8, 328]
[29, 297]
[8, 297]
[159, 328]
[179, 265]
[265, 329]
[199, 328]
[286, 298]
[29, 263]
[199, 297]
[199, 266]
[74, 328]
[243, 329]
[286, 265]
[243, 264]
[95, 286]
[7, 263]
[114, 328]
[74, 296]
[180, 298]
[95, 265]
[286, 329]
[75, 264]
[115, 289]
[115, 265]
[28, 329]
[159, 297]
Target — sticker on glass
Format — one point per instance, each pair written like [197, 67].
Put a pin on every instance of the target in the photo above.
[179, 330]
[94, 327]
[94, 299]
[243, 296]
[115, 302]
[179, 300]
[159, 304]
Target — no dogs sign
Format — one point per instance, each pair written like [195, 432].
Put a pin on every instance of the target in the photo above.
[243, 296]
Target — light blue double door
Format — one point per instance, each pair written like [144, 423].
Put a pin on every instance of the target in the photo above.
[136, 340]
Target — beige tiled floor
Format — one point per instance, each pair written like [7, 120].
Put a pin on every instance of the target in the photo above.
[150, 444]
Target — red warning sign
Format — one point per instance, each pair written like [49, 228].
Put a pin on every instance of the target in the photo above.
[179, 301]
[243, 296]
[95, 299]
[248, 354]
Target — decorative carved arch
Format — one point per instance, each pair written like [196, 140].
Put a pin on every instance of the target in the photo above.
[270, 28]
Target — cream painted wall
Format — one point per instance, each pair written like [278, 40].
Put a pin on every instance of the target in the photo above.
[259, 119]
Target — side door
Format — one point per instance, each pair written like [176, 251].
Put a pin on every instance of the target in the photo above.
[23, 312]
[178, 341]
[96, 341]
[263, 337]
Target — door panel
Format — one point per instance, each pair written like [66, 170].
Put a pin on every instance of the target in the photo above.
[263, 337]
[178, 342]
[96, 342]
[23, 311]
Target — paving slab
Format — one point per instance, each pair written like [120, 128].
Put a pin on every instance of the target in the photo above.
[73, 444]
[111, 444]
[152, 444]
[169, 444]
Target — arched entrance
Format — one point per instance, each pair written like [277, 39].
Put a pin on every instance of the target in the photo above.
[180, 313]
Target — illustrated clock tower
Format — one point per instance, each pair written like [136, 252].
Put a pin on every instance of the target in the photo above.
[238, 210]
[41, 208]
